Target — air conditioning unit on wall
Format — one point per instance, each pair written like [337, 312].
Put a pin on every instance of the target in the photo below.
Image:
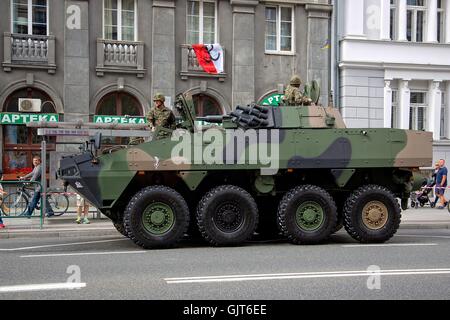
[30, 105]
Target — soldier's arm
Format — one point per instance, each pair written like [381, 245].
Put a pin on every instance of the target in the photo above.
[151, 118]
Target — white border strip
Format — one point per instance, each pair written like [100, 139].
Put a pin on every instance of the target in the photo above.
[43, 287]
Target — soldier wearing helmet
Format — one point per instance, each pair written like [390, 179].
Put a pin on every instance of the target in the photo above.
[160, 115]
[292, 94]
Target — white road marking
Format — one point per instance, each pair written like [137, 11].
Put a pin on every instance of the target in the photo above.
[81, 254]
[389, 245]
[43, 287]
[61, 245]
[417, 236]
[307, 275]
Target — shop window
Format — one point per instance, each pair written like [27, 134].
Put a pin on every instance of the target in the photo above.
[21, 143]
[118, 104]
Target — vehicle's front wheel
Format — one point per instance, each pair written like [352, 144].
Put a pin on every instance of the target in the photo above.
[372, 214]
[156, 217]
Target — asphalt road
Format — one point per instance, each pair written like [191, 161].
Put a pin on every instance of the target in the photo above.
[415, 264]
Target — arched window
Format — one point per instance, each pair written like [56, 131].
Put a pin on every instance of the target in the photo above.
[21, 143]
[118, 104]
[207, 106]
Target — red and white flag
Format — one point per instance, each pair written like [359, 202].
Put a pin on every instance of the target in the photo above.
[210, 57]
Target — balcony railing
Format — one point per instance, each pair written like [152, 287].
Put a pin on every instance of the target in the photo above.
[32, 51]
[191, 68]
[120, 57]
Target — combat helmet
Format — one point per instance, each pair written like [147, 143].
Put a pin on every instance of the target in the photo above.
[159, 97]
[296, 81]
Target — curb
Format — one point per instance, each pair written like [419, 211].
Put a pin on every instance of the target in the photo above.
[58, 233]
[425, 226]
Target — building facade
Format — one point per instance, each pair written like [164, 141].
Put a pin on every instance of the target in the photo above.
[68, 60]
[393, 66]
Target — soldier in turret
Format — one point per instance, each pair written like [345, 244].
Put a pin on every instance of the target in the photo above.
[292, 94]
[160, 115]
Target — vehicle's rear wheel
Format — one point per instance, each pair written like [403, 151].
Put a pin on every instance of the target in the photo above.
[372, 214]
[307, 215]
[156, 217]
[227, 216]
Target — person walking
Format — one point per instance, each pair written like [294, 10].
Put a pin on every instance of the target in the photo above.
[441, 184]
[35, 175]
[82, 210]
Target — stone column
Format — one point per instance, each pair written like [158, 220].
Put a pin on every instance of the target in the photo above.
[434, 110]
[387, 104]
[401, 20]
[76, 68]
[318, 67]
[404, 101]
[447, 21]
[354, 19]
[385, 32]
[243, 55]
[163, 49]
[431, 28]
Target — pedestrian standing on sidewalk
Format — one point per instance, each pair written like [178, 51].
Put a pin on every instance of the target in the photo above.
[2, 193]
[441, 184]
[82, 210]
[35, 175]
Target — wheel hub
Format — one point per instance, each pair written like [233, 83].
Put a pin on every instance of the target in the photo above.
[375, 215]
[228, 217]
[158, 218]
[309, 216]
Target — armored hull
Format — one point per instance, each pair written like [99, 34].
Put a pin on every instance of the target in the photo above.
[296, 171]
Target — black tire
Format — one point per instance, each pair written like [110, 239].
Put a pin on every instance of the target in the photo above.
[138, 229]
[413, 204]
[59, 203]
[119, 225]
[227, 216]
[382, 200]
[422, 204]
[14, 204]
[304, 196]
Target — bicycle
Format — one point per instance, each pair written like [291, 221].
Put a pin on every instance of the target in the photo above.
[17, 202]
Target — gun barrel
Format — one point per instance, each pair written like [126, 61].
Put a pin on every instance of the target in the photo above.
[211, 119]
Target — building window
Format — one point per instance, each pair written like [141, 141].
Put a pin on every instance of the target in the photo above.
[279, 29]
[418, 111]
[440, 22]
[393, 20]
[394, 110]
[415, 20]
[206, 106]
[29, 17]
[444, 117]
[21, 143]
[201, 22]
[118, 104]
[119, 20]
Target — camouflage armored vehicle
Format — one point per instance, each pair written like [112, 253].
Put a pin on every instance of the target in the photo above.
[297, 170]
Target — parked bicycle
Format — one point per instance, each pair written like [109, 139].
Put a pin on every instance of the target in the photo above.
[16, 203]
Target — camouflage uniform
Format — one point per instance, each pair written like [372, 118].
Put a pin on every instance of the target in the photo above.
[292, 95]
[161, 117]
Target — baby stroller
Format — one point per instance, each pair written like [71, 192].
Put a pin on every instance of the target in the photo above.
[422, 197]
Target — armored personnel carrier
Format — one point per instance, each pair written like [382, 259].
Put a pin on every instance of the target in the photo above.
[296, 170]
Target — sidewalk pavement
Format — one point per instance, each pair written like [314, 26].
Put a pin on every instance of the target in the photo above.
[65, 225]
